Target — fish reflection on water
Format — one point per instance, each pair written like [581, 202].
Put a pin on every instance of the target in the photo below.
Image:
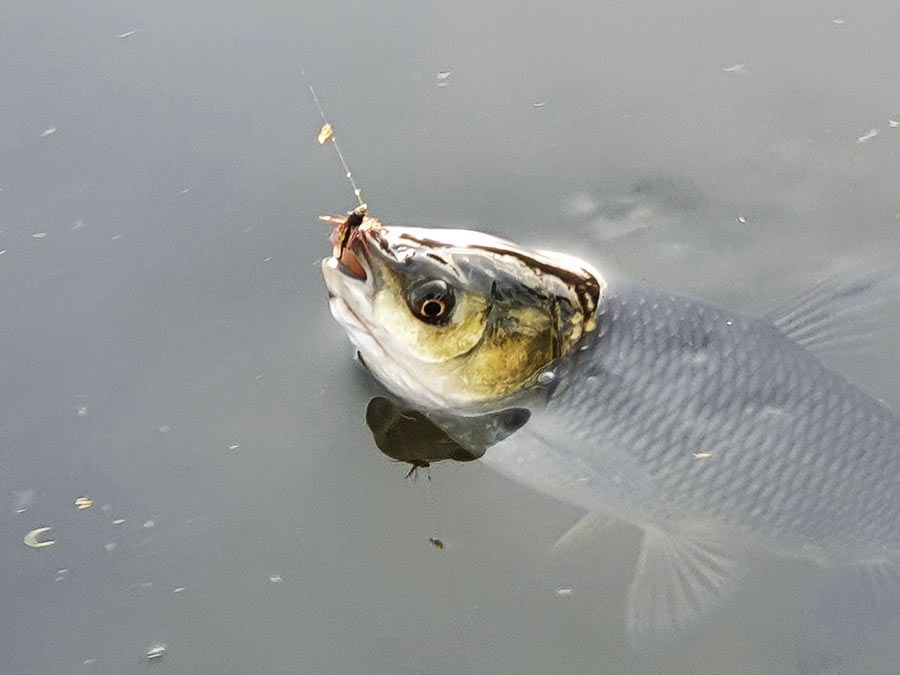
[716, 433]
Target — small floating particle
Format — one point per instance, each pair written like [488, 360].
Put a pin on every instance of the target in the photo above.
[837, 21]
[111, 546]
[49, 131]
[736, 68]
[729, 323]
[118, 521]
[276, 578]
[81, 410]
[31, 539]
[156, 652]
[116, 237]
[893, 124]
[39, 235]
[127, 33]
[88, 662]
[2, 251]
[564, 592]
[84, 503]
[269, 259]
[539, 104]
[185, 191]
[742, 220]
[164, 429]
[326, 133]
[234, 447]
[871, 133]
[437, 543]
[149, 524]
[180, 589]
[702, 455]
[443, 78]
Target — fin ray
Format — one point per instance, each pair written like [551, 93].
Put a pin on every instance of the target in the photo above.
[683, 575]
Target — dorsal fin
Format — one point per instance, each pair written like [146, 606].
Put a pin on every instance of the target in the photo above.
[839, 313]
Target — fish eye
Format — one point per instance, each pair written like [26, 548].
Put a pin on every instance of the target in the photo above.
[431, 301]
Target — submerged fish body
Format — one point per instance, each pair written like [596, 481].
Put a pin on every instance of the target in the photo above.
[683, 412]
[712, 431]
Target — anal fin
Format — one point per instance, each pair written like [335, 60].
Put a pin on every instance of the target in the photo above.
[683, 576]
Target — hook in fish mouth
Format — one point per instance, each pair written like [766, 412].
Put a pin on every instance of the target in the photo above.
[345, 232]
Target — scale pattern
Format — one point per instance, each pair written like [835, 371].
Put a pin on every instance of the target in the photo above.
[730, 422]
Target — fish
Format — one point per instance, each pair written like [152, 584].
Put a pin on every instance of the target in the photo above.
[714, 432]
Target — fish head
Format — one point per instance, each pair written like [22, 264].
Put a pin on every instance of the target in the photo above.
[455, 319]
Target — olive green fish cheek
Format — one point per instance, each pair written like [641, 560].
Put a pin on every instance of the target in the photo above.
[431, 343]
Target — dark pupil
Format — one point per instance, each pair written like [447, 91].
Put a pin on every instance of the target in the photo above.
[432, 308]
[431, 301]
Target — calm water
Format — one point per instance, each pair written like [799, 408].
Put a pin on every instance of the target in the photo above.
[166, 348]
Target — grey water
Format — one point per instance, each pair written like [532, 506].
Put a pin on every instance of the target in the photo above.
[166, 348]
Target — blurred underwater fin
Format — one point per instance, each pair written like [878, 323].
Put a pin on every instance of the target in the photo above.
[849, 609]
[839, 314]
[589, 525]
[683, 576]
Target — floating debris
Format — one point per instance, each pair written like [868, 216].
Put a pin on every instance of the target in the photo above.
[546, 378]
[276, 578]
[736, 68]
[564, 592]
[48, 132]
[893, 124]
[126, 34]
[77, 226]
[185, 191]
[156, 652]
[326, 133]
[234, 446]
[702, 455]
[31, 539]
[84, 503]
[443, 78]
[837, 21]
[180, 589]
[23, 499]
[149, 524]
[269, 259]
[742, 220]
[81, 410]
[164, 429]
[871, 133]
[118, 521]
[38, 235]
[110, 547]
[437, 543]
[88, 662]
[538, 104]
[2, 251]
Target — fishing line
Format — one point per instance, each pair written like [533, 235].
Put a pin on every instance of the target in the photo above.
[327, 134]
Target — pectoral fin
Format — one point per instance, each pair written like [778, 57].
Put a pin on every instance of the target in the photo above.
[590, 524]
[683, 576]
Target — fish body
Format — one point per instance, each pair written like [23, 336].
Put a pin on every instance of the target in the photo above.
[680, 411]
[713, 432]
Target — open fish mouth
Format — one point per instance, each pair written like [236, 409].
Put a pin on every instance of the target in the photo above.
[347, 237]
